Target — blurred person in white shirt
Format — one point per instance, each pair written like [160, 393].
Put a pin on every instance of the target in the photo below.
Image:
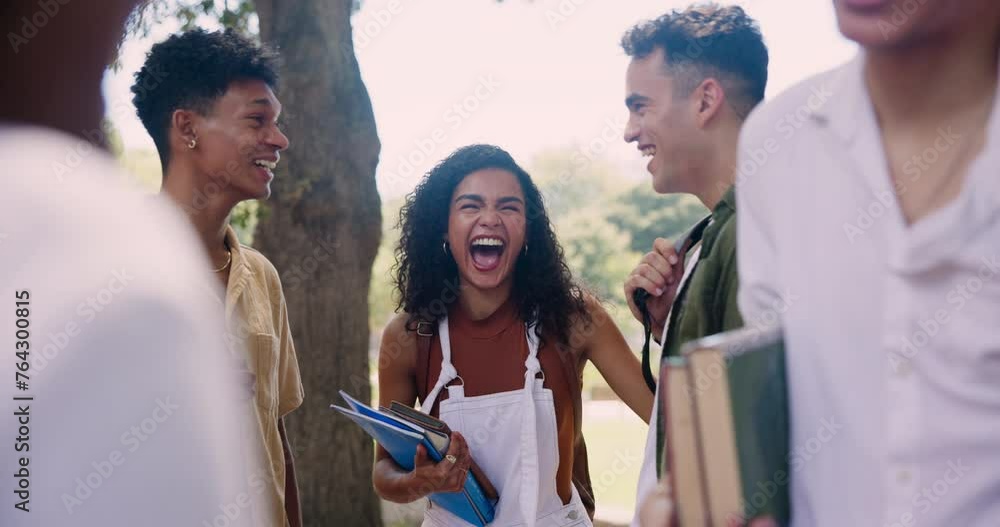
[126, 413]
[869, 226]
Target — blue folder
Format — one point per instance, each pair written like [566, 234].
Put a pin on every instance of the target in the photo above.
[400, 439]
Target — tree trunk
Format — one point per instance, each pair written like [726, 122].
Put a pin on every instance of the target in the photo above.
[321, 229]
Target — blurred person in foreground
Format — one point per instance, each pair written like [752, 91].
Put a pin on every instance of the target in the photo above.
[891, 188]
[492, 338]
[695, 74]
[132, 415]
[213, 116]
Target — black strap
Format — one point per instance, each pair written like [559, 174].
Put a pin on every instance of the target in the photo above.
[681, 246]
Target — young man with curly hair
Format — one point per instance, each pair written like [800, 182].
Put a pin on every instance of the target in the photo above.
[207, 100]
[694, 76]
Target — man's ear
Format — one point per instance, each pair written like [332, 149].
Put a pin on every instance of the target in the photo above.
[710, 99]
[183, 121]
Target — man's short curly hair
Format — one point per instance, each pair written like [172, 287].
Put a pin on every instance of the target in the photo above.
[191, 70]
[707, 40]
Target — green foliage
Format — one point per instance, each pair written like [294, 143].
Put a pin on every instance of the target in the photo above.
[238, 14]
[382, 292]
[568, 181]
[596, 251]
[144, 166]
[646, 215]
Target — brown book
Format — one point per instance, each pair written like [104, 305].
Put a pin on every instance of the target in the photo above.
[726, 428]
[681, 453]
[440, 435]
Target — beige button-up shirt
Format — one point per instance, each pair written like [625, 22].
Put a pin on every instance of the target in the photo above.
[257, 322]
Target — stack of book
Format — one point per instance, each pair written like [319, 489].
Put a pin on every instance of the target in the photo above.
[399, 429]
[726, 428]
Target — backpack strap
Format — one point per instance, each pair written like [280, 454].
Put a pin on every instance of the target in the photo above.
[423, 331]
[681, 247]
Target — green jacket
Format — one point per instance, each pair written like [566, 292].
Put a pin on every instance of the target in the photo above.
[706, 305]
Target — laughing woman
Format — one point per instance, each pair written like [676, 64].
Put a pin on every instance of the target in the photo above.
[492, 338]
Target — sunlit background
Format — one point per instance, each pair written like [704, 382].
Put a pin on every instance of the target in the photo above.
[544, 80]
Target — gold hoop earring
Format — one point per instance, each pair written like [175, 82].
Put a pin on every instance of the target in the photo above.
[193, 143]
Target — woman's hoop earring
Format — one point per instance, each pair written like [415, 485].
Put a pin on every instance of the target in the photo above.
[193, 143]
[526, 249]
[444, 246]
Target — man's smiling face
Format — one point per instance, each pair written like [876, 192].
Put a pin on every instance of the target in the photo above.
[661, 122]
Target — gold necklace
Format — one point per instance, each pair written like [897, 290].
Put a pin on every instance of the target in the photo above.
[229, 260]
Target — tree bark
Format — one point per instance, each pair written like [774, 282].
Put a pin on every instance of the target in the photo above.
[321, 229]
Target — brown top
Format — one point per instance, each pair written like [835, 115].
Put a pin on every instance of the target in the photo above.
[489, 355]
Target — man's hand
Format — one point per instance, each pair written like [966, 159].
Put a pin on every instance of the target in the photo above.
[659, 273]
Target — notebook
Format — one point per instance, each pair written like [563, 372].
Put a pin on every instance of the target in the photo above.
[400, 437]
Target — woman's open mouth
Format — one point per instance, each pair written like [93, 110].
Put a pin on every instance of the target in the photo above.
[486, 252]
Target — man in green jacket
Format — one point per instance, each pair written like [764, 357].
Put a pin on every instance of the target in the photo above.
[694, 76]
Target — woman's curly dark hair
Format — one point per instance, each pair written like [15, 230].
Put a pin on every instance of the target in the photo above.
[424, 274]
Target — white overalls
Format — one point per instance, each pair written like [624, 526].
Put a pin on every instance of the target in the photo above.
[513, 438]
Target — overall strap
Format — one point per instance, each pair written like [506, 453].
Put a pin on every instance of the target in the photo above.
[530, 484]
[448, 371]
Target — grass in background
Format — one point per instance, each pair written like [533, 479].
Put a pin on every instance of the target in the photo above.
[615, 440]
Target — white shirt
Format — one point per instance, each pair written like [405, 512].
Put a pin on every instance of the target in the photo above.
[131, 421]
[893, 331]
[647, 472]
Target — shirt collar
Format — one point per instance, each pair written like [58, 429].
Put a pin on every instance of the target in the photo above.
[239, 271]
[728, 200]
[837, 101]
